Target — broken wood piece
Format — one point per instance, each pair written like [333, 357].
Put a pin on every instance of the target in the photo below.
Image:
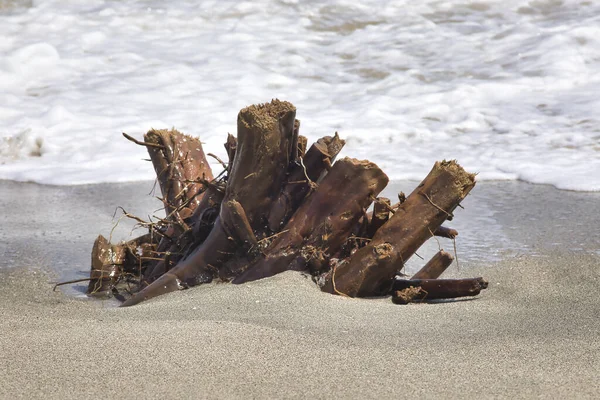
[443, 231]
[294, 143]
[381, 214]
[111, 263]
[181, 166]
[230, 148]
[406, 291]
[371, 269]
[435, 267]
[234, 219]
[106, 266]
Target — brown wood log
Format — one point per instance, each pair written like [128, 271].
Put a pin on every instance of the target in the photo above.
[262, 157]
[435, 267]
[180, 166]
[113, 263]
[371, 269]
[323, 223]
[180, 238]
[406, 291]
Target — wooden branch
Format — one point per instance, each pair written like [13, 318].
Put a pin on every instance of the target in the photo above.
[371, 269]
[406, 291]
[134, 140]
[435, 267]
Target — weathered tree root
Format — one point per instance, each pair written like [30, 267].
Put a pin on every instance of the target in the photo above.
[279, 206]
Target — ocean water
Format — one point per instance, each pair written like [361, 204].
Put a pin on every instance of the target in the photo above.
[508, 88]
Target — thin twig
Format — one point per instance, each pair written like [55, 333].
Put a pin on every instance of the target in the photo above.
[383, 203]
[272, 236]
[223, 164]
[359, 238]
[436, 206]
[73, 281]
[436, 239]
[310, 182]
[456, 254]
[134, 140]
[333, 282]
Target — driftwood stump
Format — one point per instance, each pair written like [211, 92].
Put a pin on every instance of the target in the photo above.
[280, 205]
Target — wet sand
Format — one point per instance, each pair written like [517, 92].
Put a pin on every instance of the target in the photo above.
[533, 333]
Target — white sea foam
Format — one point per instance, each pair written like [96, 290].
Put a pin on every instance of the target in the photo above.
[509, 88]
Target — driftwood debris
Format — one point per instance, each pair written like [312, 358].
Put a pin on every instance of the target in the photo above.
[280, 205]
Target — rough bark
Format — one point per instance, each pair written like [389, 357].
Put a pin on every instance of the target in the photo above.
[302, 144]
[369, 272]
[183, 174]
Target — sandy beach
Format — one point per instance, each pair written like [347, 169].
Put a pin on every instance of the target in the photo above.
[534, 333]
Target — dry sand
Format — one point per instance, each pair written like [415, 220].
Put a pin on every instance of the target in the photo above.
[534, 333]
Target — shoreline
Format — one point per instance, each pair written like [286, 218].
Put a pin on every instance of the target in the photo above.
[535, 332]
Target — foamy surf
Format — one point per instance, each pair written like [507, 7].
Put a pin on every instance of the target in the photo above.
[508, 88]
